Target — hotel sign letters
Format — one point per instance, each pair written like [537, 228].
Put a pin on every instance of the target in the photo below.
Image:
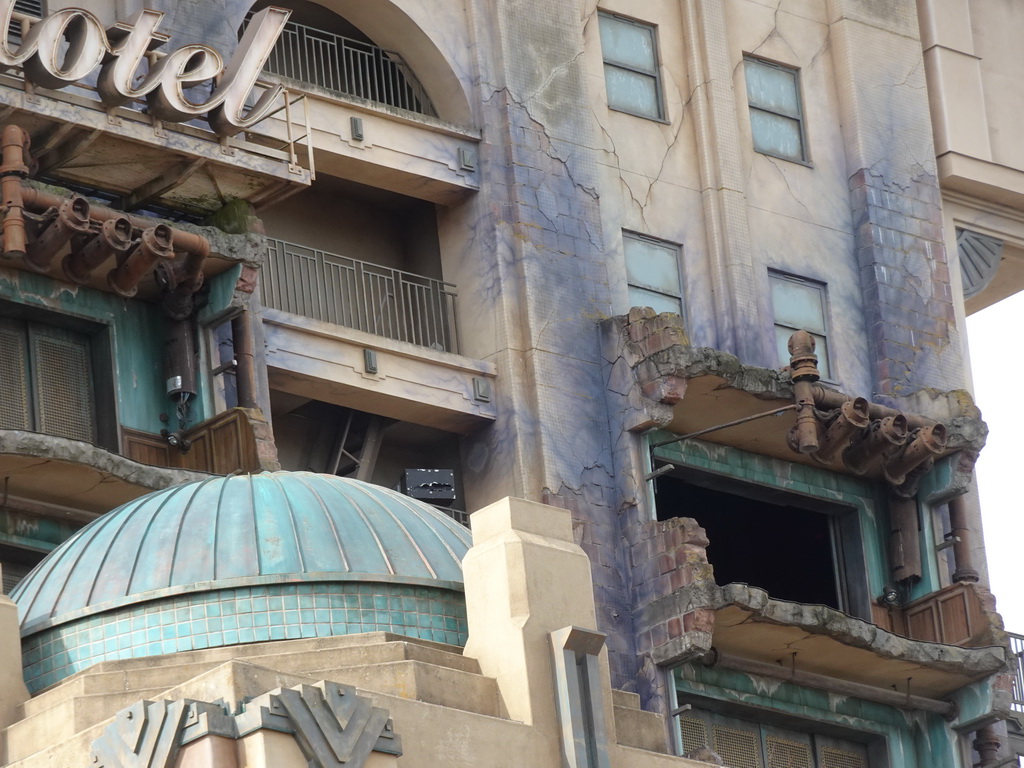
[70, 44]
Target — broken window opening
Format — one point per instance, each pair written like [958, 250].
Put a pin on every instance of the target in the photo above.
[221, 355]
[794, 547]
[315, 436]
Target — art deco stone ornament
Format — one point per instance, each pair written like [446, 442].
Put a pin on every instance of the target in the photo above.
[333, 726]
[68, 45]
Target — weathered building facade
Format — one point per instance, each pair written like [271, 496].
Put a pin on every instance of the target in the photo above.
[690, 275]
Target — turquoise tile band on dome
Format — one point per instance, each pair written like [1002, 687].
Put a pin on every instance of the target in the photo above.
[242, 559]
[247, 615]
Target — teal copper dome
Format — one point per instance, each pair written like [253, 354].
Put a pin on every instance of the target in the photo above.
[246, 558]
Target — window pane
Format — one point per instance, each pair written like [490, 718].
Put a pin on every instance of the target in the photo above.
[651, 265]
[772, 88]
[631, 45]
[632, 92]
[659, 302]
[782, 334]
[775, 135]
[798, 305]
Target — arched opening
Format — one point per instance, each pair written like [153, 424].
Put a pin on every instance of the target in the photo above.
[325, 48]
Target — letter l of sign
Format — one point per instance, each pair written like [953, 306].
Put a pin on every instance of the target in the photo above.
[129, 43]
[243, 71]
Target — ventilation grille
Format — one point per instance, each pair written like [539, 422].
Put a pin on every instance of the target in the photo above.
[783, 753]
[694, 734]
[12, 574]
[979, 260]
[739, 749]
[15, 412]
[840, 758]
[29, 7]
[63, 384]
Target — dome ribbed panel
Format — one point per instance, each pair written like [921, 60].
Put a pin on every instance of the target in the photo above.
[233, 531]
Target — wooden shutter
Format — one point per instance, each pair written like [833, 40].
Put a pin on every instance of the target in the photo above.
[62, 375]
[15, 402]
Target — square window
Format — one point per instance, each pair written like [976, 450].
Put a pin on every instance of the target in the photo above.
[776, 111]
[653, 274]
[631, 66]
[800, 305]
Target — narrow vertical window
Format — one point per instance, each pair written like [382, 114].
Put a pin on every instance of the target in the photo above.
[776, 112]
[800, 305]
[653, 273]
[631, 66]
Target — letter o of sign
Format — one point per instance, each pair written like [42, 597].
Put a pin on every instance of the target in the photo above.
[50, 67]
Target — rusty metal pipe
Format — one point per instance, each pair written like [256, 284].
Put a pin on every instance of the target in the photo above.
[72, 219]
[153, 245]
[904, 539]
[925, 443]
[14, 142]
[853, 418]
[821, 682]
[113, 239]
[245, 366]
[803, 370]
[879, 441]
[962, 556]
[187, 242]
[828, 400]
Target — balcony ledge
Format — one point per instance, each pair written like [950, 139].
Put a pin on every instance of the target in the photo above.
[424, 386]
[75, 474]
[751, 625]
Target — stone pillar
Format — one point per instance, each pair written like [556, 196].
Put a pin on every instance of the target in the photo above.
[13, 692]
[722, 181]
[525, 578]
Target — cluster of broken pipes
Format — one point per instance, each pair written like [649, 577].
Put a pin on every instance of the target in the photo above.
[869, 437]
[38, 226]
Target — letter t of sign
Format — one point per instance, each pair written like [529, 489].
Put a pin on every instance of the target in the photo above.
[129, 43]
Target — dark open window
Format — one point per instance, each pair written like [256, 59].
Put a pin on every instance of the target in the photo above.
[795, 547]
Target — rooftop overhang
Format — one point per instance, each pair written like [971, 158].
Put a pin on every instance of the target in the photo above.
[76, 475]
[125, 152]
[817, 640]
[423, 386]
[702, 392]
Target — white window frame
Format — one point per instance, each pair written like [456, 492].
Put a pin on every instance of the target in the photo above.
[654, 73]
[827, 371]
[677, 249]
[798, 116]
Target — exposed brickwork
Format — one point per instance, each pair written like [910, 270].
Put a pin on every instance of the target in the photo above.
[905, 279]
[668, 556]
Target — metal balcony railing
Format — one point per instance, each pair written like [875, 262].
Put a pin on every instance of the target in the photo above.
[347, 67]
[1017, 652]
[356, 294]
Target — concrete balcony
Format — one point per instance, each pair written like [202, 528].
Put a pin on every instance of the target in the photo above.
[372, 373]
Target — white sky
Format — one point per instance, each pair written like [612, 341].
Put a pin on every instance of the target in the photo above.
[998, 367]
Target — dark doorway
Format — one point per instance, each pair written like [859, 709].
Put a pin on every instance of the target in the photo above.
[785, 549]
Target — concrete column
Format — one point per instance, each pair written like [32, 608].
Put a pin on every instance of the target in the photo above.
[13, 692]
[722, 182]
[525, 578]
